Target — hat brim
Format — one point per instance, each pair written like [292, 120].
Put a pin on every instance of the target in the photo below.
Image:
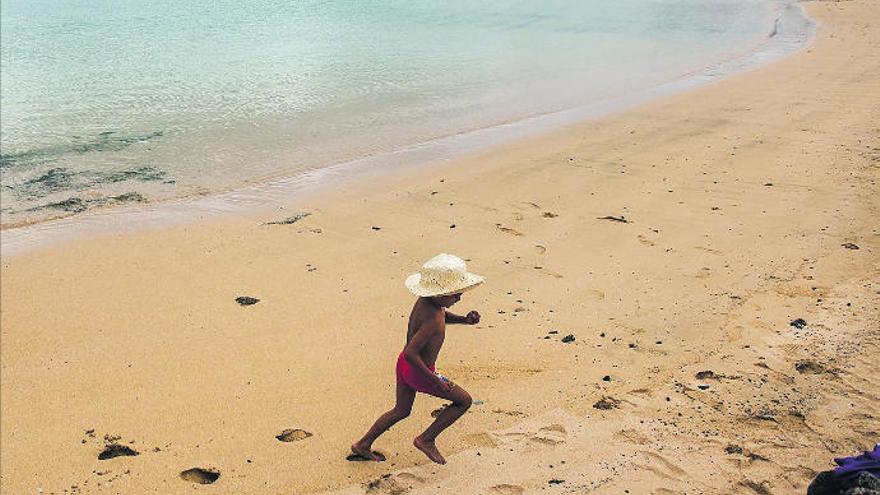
[414, 284]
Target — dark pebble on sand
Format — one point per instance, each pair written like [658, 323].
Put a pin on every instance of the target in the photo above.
[733, 449]
[376, 228]
[555, 481]
[798, 323]
[568, 338]
[850, 245]
[827, 483]
[606, 378]
[703, 387]
[246, 300]
[606, 403]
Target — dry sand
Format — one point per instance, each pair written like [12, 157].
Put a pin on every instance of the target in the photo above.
[738, 196]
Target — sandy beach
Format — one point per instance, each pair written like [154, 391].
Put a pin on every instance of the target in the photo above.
[678, 242]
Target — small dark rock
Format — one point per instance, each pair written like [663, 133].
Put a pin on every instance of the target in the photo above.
[606, 378]
[246, 300]
[568, 338]
[798, 323]
[826, 483]
[708, 374]
[376, 228]
[703, 386]
[621, 219]
[553, 332]
[606, 403]
[733, 449]
[807, 366]
[555, 481]
[850, 245]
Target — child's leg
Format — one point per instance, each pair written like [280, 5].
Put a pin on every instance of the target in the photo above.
[461, 402]
[402, 408]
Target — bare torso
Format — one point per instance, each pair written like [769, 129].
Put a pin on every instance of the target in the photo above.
[427, 316]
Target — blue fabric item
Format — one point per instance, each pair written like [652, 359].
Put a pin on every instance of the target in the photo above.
[851, 466]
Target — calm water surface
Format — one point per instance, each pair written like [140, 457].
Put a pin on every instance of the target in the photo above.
[111, 102]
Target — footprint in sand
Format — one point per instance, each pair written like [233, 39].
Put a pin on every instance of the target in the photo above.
[633, 436]
[293, 435]
[595, 294]
[663, 467]
[201, 476]
[550, 435]
[393, 485]
[506, 489]
[116, 450]
[481, 440]
[409, 478]
[508, 230]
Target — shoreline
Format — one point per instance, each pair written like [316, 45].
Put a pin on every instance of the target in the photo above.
[749, 204]
[793, 32]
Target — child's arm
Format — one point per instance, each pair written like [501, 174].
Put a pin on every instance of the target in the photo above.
[472, 318]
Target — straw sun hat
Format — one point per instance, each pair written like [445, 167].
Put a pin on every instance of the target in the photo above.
[442, 275]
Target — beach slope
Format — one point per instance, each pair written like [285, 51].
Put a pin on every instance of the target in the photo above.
[714, 255]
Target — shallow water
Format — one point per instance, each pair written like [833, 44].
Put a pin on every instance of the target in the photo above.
[105, 103]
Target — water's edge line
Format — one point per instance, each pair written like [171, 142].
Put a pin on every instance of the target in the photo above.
[275, 192]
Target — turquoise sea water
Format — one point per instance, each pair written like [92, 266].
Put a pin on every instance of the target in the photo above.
[108, 102]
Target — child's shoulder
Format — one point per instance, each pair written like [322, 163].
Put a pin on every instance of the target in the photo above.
[425, 311]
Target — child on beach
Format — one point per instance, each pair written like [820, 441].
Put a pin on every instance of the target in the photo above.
[439, 284]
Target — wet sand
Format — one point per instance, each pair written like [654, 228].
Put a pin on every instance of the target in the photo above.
[744, 202]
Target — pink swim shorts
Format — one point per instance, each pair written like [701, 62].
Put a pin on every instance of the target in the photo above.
[411, 377]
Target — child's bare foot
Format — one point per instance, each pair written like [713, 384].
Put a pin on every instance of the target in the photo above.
[365, 452]
[430, 450]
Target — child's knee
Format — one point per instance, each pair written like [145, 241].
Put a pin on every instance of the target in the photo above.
[401, 413]
[464, 400]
